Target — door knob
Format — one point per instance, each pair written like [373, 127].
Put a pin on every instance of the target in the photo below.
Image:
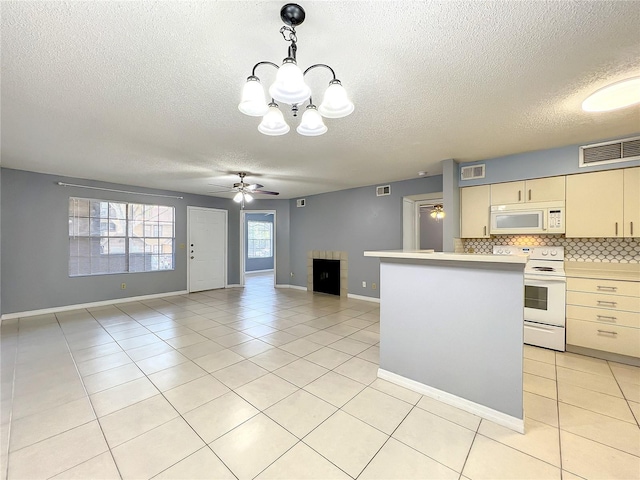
[192, 257]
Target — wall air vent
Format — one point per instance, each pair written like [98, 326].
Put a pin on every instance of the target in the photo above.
[471, 172]
[383, 190]
[610, 152]
[301, 202]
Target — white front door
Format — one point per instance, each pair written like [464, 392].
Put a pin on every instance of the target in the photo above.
[207, 248]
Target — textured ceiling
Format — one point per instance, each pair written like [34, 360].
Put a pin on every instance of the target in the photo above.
[145, 93]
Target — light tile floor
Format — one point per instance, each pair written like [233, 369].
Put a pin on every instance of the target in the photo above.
[264, 383]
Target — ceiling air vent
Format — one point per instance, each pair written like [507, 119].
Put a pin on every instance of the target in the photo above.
[610, 152]
[471, 172]
[383, 190]
[301, 202]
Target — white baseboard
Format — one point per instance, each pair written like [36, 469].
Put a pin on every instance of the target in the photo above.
[233, 285]
[282, 285]
[66, 308]
[297, 287]
[362, 297]
[270, 270]
[514, 423]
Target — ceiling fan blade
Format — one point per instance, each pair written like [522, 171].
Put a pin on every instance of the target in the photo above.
[226, 190]
[254, 186]
[265, 192]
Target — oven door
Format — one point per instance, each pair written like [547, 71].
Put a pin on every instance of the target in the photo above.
[544, 300]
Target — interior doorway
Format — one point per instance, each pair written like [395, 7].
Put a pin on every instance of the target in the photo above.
[258, 247]
[207, 253]
[419, 230]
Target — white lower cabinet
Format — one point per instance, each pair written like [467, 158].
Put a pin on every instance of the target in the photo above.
[604, 315]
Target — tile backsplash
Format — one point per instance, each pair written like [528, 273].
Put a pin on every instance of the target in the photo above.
[606, 250]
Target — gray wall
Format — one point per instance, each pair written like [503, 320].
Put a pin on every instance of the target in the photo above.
[430, 230]
[35, 246]
[541, 163]
[451, 204]
[352, 221]
[254, 264]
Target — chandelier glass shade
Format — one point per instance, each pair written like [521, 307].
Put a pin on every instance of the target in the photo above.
[311, 124]
[273, 123]
[242, 197]
[253, 101]
[290, 88]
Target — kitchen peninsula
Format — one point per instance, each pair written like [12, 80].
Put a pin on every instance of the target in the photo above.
[451, 327]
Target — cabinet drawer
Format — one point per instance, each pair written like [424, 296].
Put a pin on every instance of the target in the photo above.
[627, 319]
[607, 338]
[609, 302]
[611, 287]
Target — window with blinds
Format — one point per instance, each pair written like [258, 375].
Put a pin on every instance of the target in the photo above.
[259, 239]
[118, 237]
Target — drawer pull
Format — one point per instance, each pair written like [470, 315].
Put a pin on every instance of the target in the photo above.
[607, 331]
[607, 288]
[605, 317]
[519, 195]
[603, 302]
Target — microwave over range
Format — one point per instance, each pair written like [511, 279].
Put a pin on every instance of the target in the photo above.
[545, 218]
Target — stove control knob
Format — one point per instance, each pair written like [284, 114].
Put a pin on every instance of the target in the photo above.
[553, 253]
[545, 252]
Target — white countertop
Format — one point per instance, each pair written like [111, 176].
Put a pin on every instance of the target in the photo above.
[603, 270]
[445, 256]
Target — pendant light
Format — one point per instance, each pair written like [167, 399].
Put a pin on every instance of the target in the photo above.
[289, 87]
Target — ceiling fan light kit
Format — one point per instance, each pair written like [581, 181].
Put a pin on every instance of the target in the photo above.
[289, 87]
[245, 191]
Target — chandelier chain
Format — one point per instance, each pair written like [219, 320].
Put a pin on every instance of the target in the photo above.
[292, 34]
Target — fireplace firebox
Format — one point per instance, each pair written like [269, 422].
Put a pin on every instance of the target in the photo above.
[326, 276]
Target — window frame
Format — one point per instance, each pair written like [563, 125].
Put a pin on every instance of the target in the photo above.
[90, 234]
[251, 247]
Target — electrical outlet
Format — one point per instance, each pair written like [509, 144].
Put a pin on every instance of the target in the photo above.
[123, 286]
[364, 284]
[373, 286]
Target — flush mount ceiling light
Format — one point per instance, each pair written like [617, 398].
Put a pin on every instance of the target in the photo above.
[289, 87]
[437, 212]
[612, 97]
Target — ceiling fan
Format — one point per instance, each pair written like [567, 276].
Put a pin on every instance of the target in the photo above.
[244, 191]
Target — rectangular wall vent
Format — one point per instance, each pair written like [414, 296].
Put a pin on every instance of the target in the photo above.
[610, 152]
[301, 202]
[383, 190]
[471, 172]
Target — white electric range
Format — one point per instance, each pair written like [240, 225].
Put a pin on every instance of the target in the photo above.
[544, 294]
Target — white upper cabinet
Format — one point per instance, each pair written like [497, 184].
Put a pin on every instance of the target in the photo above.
[631, 202]
[474, 211]
[537, 190]
[594, 205]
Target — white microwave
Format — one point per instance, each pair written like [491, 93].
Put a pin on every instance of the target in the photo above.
[545, 218]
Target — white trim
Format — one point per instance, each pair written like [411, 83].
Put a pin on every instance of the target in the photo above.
[514, 423]
[283, 285]
[259, 271]
[233, 285]
[362, 297]
[226, 242]
[66, 308]
[298, 287]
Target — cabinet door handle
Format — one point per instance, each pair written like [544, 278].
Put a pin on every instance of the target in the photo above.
[607, 331]
[631, 225]
[616, 229]
[529, 194]
[605, 317]
[604, 302]
[519, 195]
[485, 230]
[607, 288]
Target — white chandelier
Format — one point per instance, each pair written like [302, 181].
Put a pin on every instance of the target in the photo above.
[290, 88]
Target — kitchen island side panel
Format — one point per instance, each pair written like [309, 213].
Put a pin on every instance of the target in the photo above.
[457, 327]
